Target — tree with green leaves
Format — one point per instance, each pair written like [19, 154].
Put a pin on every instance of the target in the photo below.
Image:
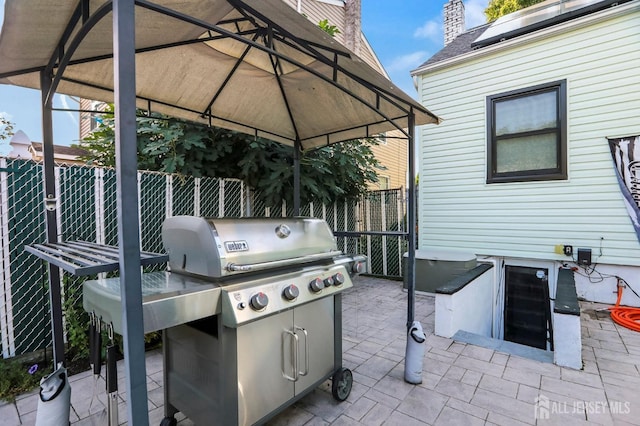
[327, 174]
[6, 128]
[325, 26]
[498, 8]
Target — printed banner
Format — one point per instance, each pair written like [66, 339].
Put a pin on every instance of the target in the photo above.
[626, 159]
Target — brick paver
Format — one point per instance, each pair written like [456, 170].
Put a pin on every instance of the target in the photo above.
[462, 384]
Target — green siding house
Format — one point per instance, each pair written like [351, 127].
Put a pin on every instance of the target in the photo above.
[520, 171]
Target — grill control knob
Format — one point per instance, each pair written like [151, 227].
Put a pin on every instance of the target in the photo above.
[358, 267]
[328, 282]
[338, 279]
[290, 292]
[316, 285]
[259, 301]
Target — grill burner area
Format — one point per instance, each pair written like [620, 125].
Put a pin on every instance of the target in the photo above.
[251, 315]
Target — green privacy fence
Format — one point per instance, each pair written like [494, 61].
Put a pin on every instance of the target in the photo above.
[24, 303]
[86, 206]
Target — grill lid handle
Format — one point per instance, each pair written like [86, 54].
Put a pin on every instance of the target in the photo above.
[234, 267]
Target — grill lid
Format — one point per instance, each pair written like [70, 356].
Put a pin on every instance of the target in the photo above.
[217, 247]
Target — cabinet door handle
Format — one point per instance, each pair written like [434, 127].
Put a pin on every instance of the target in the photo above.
[306, 350]
[293, 347]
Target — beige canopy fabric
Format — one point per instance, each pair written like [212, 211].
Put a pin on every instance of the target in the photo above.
[256, 66]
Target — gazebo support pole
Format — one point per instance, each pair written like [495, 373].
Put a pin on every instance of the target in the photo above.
[50, 202]
[297, 149]
[411, 223]
[127, 203]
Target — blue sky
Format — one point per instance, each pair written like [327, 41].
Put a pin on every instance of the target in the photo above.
[403, 33]
[410, 32]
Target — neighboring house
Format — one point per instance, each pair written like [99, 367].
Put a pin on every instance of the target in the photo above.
[23, 147]
[346, 16]
[521, 165]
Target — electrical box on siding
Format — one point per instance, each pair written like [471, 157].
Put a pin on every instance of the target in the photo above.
[436, 267]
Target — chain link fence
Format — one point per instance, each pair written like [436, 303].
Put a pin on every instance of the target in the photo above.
[86, 202]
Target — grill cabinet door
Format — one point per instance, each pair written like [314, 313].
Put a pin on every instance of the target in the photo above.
[317, 319]
[263, 347]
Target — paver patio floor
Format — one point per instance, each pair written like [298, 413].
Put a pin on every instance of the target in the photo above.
[463, 384]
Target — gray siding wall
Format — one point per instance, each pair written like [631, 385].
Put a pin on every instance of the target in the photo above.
[316, 11]
[600, 60]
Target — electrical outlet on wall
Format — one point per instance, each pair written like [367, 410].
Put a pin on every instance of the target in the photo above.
[584, 256]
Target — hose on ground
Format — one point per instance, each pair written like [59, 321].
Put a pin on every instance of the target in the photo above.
[625, 316]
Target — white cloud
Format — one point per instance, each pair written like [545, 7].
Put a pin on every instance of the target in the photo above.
[407, 62]
[6, 115]
[474, 13]
[431, 30]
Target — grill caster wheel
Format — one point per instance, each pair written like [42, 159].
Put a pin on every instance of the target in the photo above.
[342, 381]
[169, 421]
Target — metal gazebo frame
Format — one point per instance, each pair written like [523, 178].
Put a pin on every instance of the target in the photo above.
[360, 90]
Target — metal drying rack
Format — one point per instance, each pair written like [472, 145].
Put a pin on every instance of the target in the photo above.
[82, 258]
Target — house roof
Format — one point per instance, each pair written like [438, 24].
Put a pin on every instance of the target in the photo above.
[515, 25]
[59, 150]
[459, 46]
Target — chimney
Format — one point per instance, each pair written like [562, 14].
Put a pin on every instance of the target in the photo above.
[353, 27]
[20, 144]
[453, 20]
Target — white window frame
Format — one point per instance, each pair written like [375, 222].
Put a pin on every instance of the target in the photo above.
[333, 2]
[387, 179]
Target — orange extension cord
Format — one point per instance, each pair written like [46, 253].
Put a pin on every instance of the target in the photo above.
[626, 317]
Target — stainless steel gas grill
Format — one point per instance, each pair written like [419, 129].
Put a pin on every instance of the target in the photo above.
[250, 311]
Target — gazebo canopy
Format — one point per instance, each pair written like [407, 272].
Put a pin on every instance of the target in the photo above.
[256, 66]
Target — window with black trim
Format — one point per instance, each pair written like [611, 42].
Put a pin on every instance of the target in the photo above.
[526, 134]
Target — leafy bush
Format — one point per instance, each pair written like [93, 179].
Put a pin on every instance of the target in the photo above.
[76, 319]
[17, 377]
[328, 174]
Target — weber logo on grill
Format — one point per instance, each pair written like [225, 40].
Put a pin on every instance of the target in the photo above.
[233, 246]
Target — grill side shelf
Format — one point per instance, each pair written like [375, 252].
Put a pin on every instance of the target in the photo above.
[83, 258]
